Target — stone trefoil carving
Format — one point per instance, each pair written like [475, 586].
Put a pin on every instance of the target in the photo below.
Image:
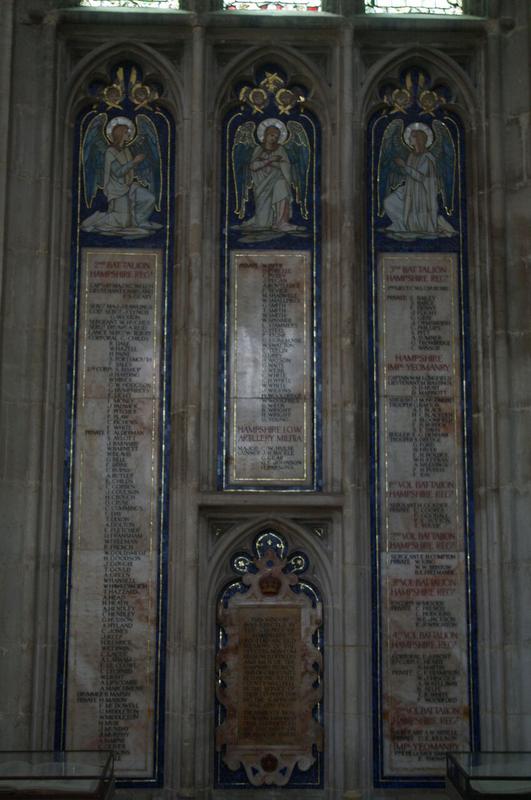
[269, 664]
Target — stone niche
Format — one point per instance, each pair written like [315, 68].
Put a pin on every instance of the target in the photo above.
[269, 689]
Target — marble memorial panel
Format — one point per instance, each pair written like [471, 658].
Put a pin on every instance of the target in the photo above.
[422, 548]
[270, 427]
[112, 632]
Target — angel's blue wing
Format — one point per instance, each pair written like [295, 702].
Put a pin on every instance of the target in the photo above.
[390, 174]
[93, 154]
[150, 169]
[443, 150]
[242, 151]
[298, 150]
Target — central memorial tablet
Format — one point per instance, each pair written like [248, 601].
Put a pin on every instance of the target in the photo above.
[269, 671]
[270, 389]
[268, 711]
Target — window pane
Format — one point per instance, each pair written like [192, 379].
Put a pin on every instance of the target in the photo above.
[414, 6]
[257, 5]
[131, 3]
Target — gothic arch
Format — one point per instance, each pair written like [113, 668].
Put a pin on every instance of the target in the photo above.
[215, 573]
[441, 67]
[297, 66]
[68, 98]
[468, 103]
[472, 103]
[412, 87]
[101, 59]
[241, 538]
[80, 104]
[319, 103]
[99, 63]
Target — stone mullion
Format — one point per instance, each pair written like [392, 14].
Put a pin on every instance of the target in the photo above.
[6, 62]
[491, 585]
[352, 546]
[184, 541]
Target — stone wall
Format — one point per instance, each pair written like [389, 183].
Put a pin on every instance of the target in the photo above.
[48, 49]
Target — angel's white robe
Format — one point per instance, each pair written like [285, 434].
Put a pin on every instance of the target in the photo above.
[413, 207]
[129, 204]
[271, 178]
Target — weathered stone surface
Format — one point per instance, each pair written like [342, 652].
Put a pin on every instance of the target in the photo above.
[43, 83]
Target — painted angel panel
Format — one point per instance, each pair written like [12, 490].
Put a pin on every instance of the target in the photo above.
[273, 162]
[416, 167]
[121, 158]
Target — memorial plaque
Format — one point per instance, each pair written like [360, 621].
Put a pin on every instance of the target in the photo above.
[425, 664]
[110, 687]
[269, 415]
[426, 707]
[270, 326]
[113, 658]
[268, 708]
[269, 674]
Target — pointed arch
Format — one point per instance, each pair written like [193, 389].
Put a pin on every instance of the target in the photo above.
[273, 596]
[122, 104]
[441, 67]
[415, 105]
[296, 65]
[215, 569]
[100, 61]
[241, 538]
[270, 197]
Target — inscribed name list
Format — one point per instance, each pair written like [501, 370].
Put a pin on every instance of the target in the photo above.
[115, 559]
[269, 676]
[422, 561]
[270, 392]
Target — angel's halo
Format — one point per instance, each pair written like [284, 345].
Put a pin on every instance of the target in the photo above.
[272, 123]
[111, 125]
[418, 126]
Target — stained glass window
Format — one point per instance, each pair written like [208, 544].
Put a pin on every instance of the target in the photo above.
[414, 6]
[131, 3]
[272, 5]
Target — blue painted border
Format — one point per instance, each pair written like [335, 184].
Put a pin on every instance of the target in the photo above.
[228, 242]
[164, 241]
[378, 245]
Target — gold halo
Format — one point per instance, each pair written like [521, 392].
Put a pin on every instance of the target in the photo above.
[272, 123]
[418, 126]
[429, 96]
[401, 97]
[111, 125]
[257, 97]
